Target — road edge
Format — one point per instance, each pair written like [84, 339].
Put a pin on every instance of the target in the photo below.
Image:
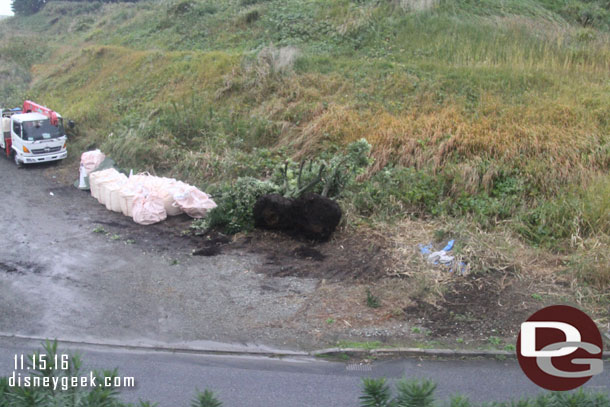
[240, 350]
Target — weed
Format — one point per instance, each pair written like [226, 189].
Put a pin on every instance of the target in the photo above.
[416, 330]
[494, 340]
[359, 345]
[330, 321]
[537, 297]
[99, 229]
[115, 237]
[372, 301]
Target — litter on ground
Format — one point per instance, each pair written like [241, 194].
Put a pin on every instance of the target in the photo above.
[443, 257]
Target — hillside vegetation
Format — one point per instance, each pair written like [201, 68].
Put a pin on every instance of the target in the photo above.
[497, 110]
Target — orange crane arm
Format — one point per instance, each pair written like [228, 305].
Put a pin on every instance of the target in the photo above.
[31, 107]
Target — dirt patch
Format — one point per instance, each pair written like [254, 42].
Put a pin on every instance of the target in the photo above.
[172, 235]
[211, 244]
[492, 304]
[308, 253]
[20, 267]
[346, 257]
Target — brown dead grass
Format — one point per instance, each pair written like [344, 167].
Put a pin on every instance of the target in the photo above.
[547, 138]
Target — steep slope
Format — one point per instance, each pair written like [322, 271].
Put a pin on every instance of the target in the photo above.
[498, 109]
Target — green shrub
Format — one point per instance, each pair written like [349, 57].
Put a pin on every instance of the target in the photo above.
[250, 2]
[596, 206]
[27, 7]
[329, 177]
[551, 222]
[235, 204]
[410, 393]
[578, 213]
[206, 399]
[398, 191]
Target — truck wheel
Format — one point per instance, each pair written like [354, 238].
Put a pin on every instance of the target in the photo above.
[17, 162]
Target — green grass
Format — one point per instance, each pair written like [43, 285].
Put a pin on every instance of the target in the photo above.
[360, 345]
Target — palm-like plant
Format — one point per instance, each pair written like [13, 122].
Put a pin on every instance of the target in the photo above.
[206, 399]
[376, 393]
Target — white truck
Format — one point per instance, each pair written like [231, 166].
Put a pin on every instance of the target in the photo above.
[33, 134]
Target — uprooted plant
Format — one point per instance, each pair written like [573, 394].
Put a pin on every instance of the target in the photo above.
[297, 197]
[327, 176]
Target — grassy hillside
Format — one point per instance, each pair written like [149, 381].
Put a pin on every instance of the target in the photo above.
[497, 110]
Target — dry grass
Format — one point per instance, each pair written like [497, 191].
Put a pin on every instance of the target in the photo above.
[476, 251]
[591, 263]
[553, 136]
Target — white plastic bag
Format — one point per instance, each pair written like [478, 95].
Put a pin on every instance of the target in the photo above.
[91, 160]
[194, 203]
[148, 209]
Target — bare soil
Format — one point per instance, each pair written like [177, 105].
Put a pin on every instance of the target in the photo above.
[348, 256]
[476, 305]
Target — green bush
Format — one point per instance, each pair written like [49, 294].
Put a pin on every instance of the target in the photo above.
[398, 191]
[328, 177]
[27, 7]
[550, 222]
[411, 393]
[235, 203]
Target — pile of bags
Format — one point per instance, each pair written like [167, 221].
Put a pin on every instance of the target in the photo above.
[145, 198]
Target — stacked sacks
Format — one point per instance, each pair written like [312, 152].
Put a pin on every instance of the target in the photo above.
[97, 177]
[106, 184]
[91, 160]
[148, 199]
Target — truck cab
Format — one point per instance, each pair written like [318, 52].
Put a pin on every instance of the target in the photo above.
[33, 137]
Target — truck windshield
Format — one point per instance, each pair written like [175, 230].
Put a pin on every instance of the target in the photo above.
[42, 130]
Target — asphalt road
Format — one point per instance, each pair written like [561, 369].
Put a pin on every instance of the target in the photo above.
[170, 379]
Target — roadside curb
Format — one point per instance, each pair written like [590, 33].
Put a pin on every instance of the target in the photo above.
[235, 350]
[415, 352]
[228, 350]
[419, 352]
